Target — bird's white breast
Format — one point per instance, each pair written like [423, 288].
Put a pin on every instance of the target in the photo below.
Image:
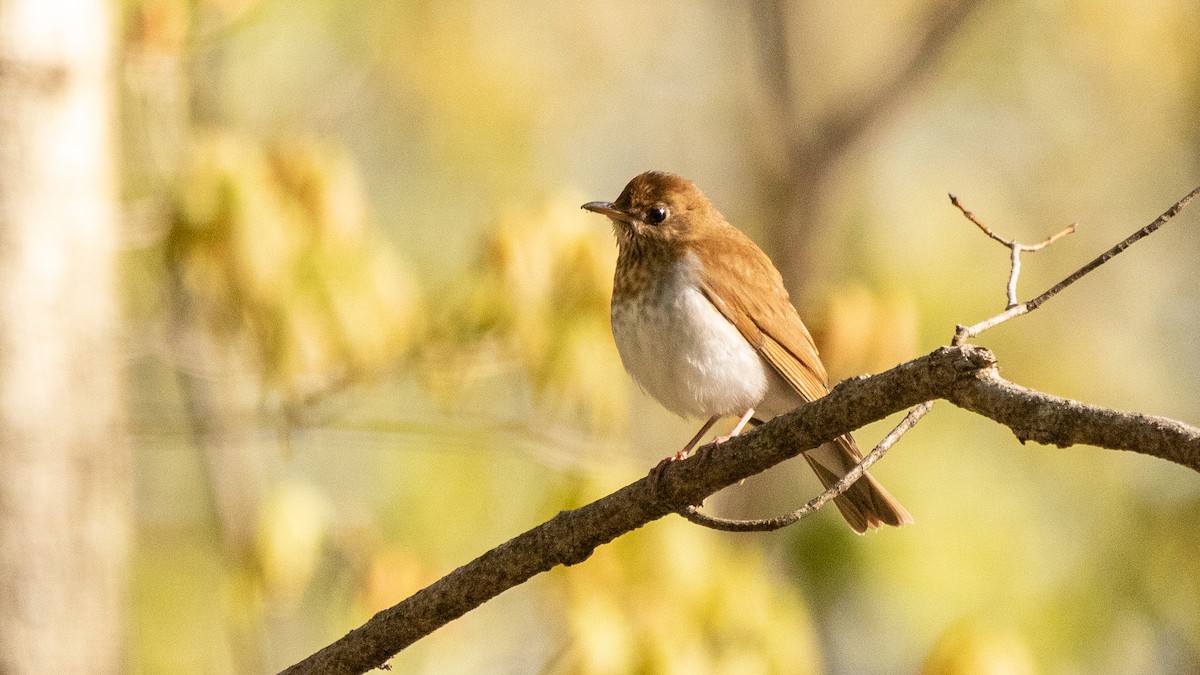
[683, 352]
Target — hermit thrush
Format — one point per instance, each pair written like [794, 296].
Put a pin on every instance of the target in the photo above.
[703, 323]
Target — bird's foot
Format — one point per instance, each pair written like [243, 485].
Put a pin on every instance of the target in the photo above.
[702, 454]
[656, 473]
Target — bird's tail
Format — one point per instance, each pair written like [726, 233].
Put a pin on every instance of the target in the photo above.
[866, 505]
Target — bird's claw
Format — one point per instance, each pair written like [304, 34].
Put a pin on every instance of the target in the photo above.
[656, 473]
[702, 454]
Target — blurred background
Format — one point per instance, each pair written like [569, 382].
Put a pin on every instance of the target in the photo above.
[365, 332]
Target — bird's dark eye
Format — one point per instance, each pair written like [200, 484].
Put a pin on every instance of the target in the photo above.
[656, 215]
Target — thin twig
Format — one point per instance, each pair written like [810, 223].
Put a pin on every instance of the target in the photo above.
[1112, 252]
[971, 217]
[1009, 242]
[1014, 271]
[964, 333]
[1030, 248]
[694, 514]
[1015, 248]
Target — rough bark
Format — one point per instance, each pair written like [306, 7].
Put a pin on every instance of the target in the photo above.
[966, 376]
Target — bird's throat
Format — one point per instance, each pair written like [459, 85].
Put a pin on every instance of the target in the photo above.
[641, 266]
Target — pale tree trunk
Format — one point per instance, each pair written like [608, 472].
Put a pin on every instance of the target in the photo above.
[64, 458]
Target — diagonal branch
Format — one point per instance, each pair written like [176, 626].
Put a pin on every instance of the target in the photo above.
[839, 128]
[817, 136]
[964, 333]
[965, 375]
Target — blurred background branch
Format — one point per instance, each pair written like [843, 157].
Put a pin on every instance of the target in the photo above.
[816, 134]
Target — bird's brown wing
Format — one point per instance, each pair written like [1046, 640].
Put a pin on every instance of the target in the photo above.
[751, 295]
[749, 292]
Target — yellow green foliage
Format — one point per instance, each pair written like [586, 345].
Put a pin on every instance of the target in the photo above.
[675, 599]
[966, 648]
[292, 528]
[274, 246]
[539, 293]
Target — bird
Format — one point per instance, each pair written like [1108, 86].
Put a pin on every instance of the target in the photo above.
[704, 324]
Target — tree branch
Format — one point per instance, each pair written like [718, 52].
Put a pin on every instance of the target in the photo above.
[1050, 420]
[964, 333]
[964, 375]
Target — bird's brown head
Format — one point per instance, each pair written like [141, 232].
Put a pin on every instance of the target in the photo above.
[657, 206]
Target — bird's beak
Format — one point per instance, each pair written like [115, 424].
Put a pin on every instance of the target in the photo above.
[608, 209]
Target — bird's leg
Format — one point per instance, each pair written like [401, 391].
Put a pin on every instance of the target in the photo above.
[687, 449]
[737, 429]
[656, 472]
